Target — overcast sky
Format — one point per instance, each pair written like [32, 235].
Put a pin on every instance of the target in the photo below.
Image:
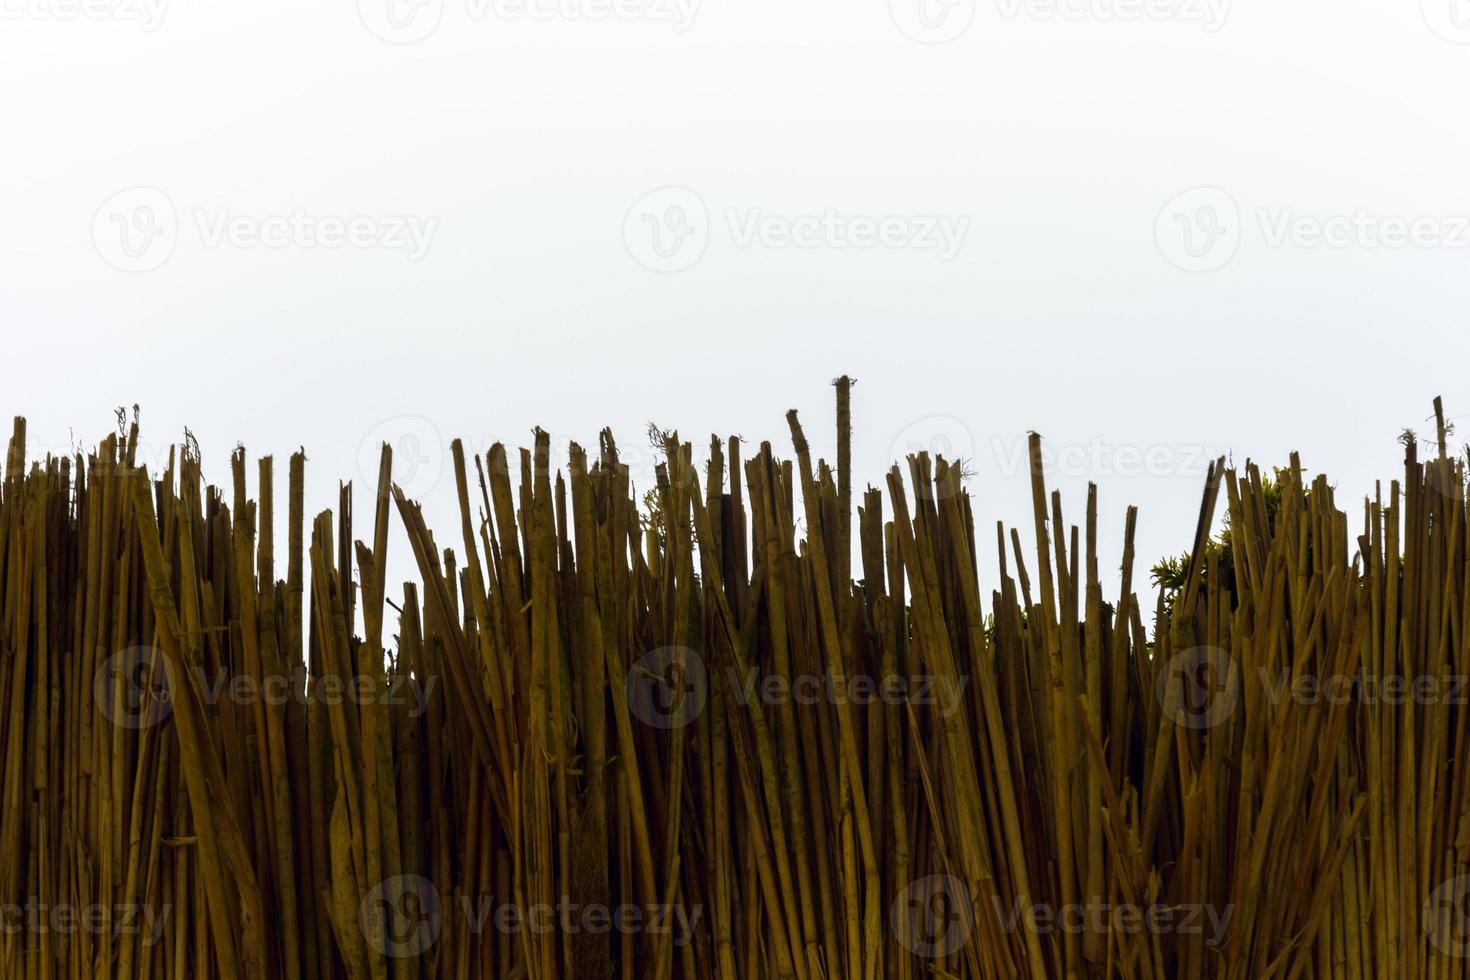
[1152, 230]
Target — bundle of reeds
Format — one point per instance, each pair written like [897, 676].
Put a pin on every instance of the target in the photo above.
[598, 743]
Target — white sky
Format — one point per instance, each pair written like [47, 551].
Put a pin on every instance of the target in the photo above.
[1149, 229]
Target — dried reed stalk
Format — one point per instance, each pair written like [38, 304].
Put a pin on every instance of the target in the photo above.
[595, 707]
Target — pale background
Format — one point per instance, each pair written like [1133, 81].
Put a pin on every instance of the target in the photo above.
[1139, 186]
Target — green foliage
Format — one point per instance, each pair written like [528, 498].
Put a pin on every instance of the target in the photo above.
[1169, 574]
